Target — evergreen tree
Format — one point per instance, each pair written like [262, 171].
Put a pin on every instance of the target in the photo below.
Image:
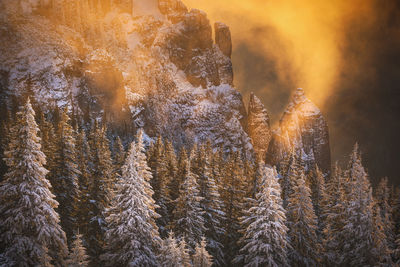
[265, 238]
[302, 225]
[30, 230]
[185, 257]
[233, 195]
[381, 244]
[201, 258]
[359, 227]
[118, 155]
[100, 190]
[319, 199]
[158, 164]
[188, 216]
[170, 254]
[396, 252]
[49, 144]
[382, 198]
[335, 219]
[211, 204]
[66, 174]
[181, 170]
[131, 237]
[83, 156]
[171, 174]
[77, 256]
[289, 177]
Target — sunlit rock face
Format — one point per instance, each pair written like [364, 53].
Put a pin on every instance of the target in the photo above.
[304, 130]
[154, 67]
[258, 127]
[223, 38]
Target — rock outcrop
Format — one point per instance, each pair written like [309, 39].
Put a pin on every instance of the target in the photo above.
[304, 130]
[162, 73]
[258, 126]
[223, 38]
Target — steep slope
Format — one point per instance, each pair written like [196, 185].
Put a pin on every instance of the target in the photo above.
[258, 126]
[302, 129]
[133, 63]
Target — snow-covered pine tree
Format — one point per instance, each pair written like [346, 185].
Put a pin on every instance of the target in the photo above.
[396, 252]
[201, 257]
[171, 173]
[132, 238]
[302, 225]
[48, 137]
[395, 203]
[289, 177]
[159, 182]
[265, 238]
[319, 198]
[66, 175]
[359, 227]
[77, 256]
[84, 180]
[188, 220]
[118, 154]
[185, 257]
[30, 230]
[211, 204]
[233, 196]
[181, 168]
[382, 197]
[335, 218]
[170, 254]
[381, 247]
[100, 190]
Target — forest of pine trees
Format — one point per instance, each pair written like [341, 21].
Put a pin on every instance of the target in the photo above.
[73, 193]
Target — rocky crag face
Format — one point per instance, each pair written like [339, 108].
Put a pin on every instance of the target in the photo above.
[146, 64]
[303, 130]
[137, 64]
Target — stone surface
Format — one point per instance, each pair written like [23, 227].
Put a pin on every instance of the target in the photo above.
[302, 129]
[223, 38]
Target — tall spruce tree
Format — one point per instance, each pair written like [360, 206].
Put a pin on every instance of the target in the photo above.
[359, 227]
[302, 225]
[100, 190]
[233, 196]
[382, 197]
[66, 175]
[159, 182]
[319, 198]
[83, 158]
[132, 237]
[171, 172]
[289, 177]
[118, 153]
[265, 239]
[201, 257]
[335, 219]
[186, 261]
[211, 204]
[77, 256]
[170, 254]
[188, 220]
[30, 230]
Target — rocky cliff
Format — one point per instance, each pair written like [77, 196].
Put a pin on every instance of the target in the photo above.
[135, 64]
[302, 129]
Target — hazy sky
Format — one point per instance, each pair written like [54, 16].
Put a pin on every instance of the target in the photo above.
[345, 54]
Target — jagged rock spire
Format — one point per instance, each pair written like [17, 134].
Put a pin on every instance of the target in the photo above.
[304, 129]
